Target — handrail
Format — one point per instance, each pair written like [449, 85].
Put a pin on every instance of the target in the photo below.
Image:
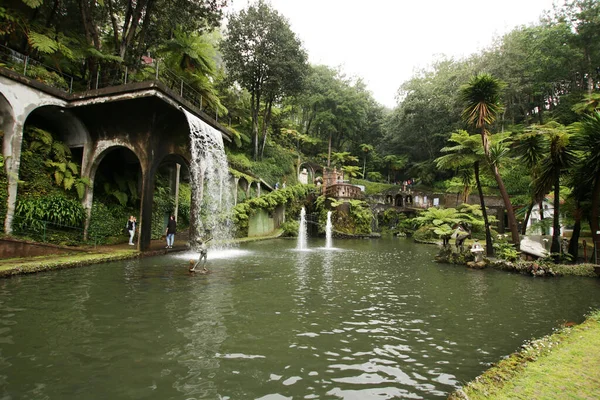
[106, 77]
[26, 66]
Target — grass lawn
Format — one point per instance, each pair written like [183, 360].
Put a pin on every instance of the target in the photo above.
[564, 365]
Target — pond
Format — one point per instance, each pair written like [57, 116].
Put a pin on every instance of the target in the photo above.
[370, 319]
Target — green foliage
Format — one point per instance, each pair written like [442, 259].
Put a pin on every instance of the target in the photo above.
[289, 195]
[277, 165]
[50, 78]
[108, 221]
[357, 222]
[373, 187]
[56, 158]
[290, 228]
[56, 208]
[375, 177]
[506, 251]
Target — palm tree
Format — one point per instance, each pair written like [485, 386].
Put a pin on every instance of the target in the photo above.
[394, 163]
[366, 149]
[467, 151]
[530, 148]
[587, 140]
[481, 97]
[557, 161]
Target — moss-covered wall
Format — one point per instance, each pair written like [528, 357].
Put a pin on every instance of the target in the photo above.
[263, 222]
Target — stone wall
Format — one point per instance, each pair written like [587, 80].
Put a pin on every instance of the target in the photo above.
[11, 248]
[262, 222]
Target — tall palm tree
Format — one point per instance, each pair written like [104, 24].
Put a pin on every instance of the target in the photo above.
[587, 140]
[557, 161]
[366, 149]
[530, 148]
[467, 152]
[481, 96]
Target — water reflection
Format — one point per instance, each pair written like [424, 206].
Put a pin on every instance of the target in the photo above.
[376, 319]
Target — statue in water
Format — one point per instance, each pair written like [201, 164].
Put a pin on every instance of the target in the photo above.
[199, 245]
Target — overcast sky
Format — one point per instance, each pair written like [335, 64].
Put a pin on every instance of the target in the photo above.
[385, 41]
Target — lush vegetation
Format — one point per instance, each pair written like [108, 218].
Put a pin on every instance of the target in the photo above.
[564, 362]
[518, 119]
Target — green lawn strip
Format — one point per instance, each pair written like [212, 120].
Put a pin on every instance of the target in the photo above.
[565, 364]
[47, 263]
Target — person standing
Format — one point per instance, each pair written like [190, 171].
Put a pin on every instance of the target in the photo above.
[171, 229]
[131, 228]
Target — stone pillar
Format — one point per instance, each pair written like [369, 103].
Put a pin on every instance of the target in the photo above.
[177, 173]
[257, 189]
[147, 198]
[236, 180]
[13, 139]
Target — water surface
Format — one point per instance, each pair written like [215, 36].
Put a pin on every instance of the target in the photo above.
[371, 319]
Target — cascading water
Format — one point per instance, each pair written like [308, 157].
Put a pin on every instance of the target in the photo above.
[302, 231]
[328, 232]
[212, 195]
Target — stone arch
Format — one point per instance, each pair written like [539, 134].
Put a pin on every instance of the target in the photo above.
[408, 200]
[102, 150]
[389, 199]
[243, 187]
[64, 126]
[171, 165]
[398, 201]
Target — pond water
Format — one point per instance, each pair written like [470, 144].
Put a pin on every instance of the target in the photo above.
[370, 319]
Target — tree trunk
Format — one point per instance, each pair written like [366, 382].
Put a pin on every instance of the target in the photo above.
[574, 242]
[526, 220]
[512, 221]
[595, 211]
[265, 125]
[541, 209]
[255, 104]
[489, 247]
[365, 166]
[329, 152]
[555, 248]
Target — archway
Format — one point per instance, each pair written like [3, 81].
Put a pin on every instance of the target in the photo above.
[116, 178]
[172, 196]
[398, 201]
[49, 168]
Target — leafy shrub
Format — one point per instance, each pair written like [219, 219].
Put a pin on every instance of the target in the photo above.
[290, 228]
[107, 222]
[506, 251]
[56, 208]
[290, 195]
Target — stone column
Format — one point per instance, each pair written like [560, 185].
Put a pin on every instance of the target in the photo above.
[146, 201]
[177, 173]
[13, 138]
[236, 180]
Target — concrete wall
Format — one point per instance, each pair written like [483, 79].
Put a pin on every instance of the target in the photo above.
[10, 248]
[263, 223]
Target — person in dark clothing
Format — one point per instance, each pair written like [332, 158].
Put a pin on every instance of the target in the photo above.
[170, 232]
[131, 229]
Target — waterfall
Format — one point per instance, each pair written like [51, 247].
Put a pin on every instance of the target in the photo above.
[212, 194]
[302, 231]
[328, 232]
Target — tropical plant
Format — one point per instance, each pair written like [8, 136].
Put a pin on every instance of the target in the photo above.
[481, 97]
[555, 163]
[467, 152]
[587, 140]
[366, 149]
